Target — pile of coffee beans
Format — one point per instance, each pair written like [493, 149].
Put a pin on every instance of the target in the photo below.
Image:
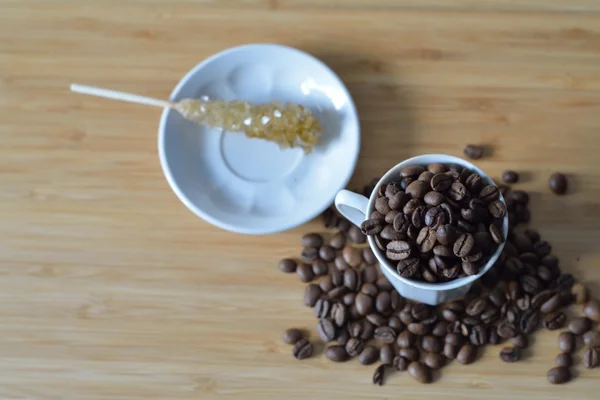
[359, 314]
[437, 223]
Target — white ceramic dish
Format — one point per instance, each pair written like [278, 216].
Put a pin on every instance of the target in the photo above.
[355, 207]
[251, 186]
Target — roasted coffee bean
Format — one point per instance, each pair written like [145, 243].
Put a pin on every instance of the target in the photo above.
[476, 307]
[337, 353]
[510, 176]
[355, 235]
[432, 344]
[592, 310]
[381, 205]
[441, 182]
[302, 349]
[391, 189]
[312, 240]
[339, 314]
[529, 321]
[564, 360]
[449, 315]
[411, 354]
[406, 181]
[337, 278]
[440, 329]
[343, 337]
[479, 335]
[510, 354]
[305, 272]
[370, 289]
[376, 319]
[368, 256]
[319, 267]
[566, 342]
[436, 168]
[420, 372]
[506, 330]
[340, 263]
[494, 338]
[383, 284]
[490, 315]
[385, 335]
[558, 375]
[330, 219]
[417, 189]
[287, 265]
[378, 375]
[554, 321]
[367, 330]
[369, 274]
[434, 360]
[467, 354]
[326, 329]
[398, 250]
[395, 323]
[446, 234]
[542, 248]
[405, 340]
[400, 363]
[443, 251]
[434, 198]
[352, 256]
[383, 303]
[519, 196]
[541, 298]
[351, 279]
[386, 355]
[558, 183]
[372, 226]
[450, 351]
[463, 245]
[388, 233]
[454, 339]
[552, 304]
[418, 217]
[420, 311]
[369, 355]
[426, 240]
[435, 217]
[364, 304]
[312, 293]
[292, 336]
[337, 293]
[592, 339]
[496, 233]
[590, 358]
[338, 241]
[530, 284]
[376, 215]
[397, 301]
[579, 326]
[354, 347]
[412, 170]
[489, 193]
[564, 282]
[327, 253]
[398, 201]
[322, 307]
[401, 223]
[473, 151]
[497, 208]
[520, 341]
[426, 176]
[457, 191]
[419, 328]
[497, 297]
[407, 268]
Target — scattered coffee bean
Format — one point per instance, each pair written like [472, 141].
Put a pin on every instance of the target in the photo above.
[558, 375]
[555, 320]
[355, 235]
[474, 152]
[386, 355]
[566, 342]
[411, 354]
[510, 354]
[288, 265]
[564, 360]
[337, 353]
[302, 349]
[312, 294]
[590, 358]
[592, 339]
[292, 335]
[450, 351]
[434, 360]
[319, 267]
[467, 354]
[432, 344]
[369, 355]
[312, 240]
[520, 341]
[579, 326]
[592, 310]
[378, 375]
[558, 183]
[400, 363]
[354, 347]
[305, 272]
[509, 176]
[419, 371]
[326, 329]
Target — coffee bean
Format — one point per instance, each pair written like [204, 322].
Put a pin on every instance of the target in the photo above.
[309, 254]
[351, 279]
[558, 183]
[579, 326]
[340, 263]
[467, 354]
[554, 321]
[412, 170]
[463, 245]
[592, 339]
[440, 329]
[497, 208]
[434, 198]
[434, 360]
[386, 355]
[352, 256]
[476, 306]
[292, 336]
[417, 189]
[371, 226]
[354, 347]
[564, 360]
[381, 205]
[391, 189]
[506, 330]
[489, 193]
[450, 351]
[590, 358]
[580, 293]
[383, 303]
[411, 354]
[327, 253]
[510, 354]
[378, 375]
[420, 311]
[312, 240]
[592, 310]
[337, 278]
[457, 191]
[320, 267]
[479, 335]
[566, 342]
[337, 353]
[370, 289]
[305, 272]
[312, 293]
[530, 284]
[329, 218]
[339, 314]
[418, 217]
[418, 328]
[322, 307]
[385, 335]
[395, 323]
[558, 375]
[383, 284]
[552, 304]
[287, 265]
[405, 340]
[510, 176]
[364, 304]
[302, 349]
[376, 319]
[368, 355]
[446, 234]
[376, 216]
[529, 321]
[407, 268]
[426, 240]
[368, 256]
[355, 235]
[398, 250]
[326, 330]
[398, 201]
[474, 152]
[520, 341]
[432, 344]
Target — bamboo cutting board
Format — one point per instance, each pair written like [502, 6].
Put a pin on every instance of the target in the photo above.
[111, 289]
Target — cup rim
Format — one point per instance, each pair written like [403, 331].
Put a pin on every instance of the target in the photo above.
[385, 263]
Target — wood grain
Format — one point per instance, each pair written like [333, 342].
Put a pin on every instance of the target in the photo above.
[111, 289]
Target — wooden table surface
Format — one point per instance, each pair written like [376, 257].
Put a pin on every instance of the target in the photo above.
[111, 289]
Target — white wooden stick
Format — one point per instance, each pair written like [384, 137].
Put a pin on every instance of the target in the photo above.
[115, 95]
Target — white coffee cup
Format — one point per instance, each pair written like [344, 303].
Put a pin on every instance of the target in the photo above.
[356, 208]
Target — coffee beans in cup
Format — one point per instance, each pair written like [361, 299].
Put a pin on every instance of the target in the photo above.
[441, 226]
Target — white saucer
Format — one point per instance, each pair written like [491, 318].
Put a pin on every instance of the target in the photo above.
[251, 186]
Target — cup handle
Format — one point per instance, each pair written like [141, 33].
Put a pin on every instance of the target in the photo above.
[351, 205]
